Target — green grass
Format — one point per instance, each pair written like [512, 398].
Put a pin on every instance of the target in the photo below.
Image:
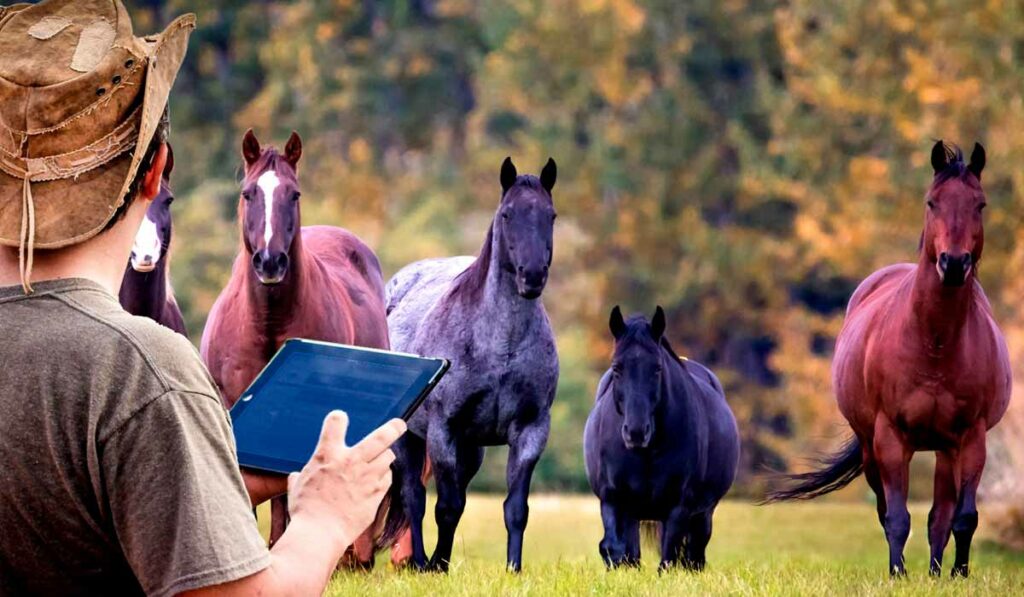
[818, 548]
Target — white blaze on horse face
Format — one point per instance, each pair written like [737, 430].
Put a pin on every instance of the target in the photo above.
[147, 247]
[268, 183]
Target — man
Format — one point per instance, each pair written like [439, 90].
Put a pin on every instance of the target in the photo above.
[117, 466]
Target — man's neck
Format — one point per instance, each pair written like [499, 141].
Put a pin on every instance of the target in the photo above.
[100, 259]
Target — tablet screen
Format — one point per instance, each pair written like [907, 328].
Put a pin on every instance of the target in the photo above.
[277, 421]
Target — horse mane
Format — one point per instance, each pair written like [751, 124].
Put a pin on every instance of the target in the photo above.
[270, 159]
[470, 283]
[955, 166]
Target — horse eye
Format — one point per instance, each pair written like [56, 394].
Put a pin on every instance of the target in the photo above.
[982, 207]
[169, 200]
[296, 195]
[504, 215]
[930, 204]
[246, 196]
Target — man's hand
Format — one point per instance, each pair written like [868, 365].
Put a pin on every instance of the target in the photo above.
[340, 488]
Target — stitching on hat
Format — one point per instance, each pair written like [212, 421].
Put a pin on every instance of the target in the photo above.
[95, 41]
[49, 26]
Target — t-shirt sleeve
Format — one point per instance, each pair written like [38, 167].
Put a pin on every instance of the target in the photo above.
[176, 497]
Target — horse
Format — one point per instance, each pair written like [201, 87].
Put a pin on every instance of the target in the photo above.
[292, 281]
[921, 365]
[661, 444]
[146, 286]
[484, 316]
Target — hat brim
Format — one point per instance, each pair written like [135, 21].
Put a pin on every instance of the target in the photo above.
[70, 211]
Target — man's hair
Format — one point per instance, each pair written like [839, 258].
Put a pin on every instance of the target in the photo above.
[159, 138]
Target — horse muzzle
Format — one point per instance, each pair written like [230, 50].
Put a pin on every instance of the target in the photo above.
[143, 265]
[270, 267]
[953, 271]
[530, 284]
[637, 438]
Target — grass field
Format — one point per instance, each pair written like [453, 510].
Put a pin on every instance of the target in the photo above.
[818, 548]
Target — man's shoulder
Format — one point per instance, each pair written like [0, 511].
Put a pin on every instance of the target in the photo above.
[142, 356]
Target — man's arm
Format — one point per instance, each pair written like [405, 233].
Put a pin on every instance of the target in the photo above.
[331, 502]
[263, 486]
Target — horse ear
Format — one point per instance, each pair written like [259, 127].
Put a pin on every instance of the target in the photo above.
[170, 162]
[658, 323]
[977, 160]
[939, 157]
[250, 148]
[616, 324]
[508, 175]
[293, 149]
[548, 175]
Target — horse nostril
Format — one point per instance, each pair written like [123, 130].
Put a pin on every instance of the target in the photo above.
[521, 269]
[647, 430]
[943, 260]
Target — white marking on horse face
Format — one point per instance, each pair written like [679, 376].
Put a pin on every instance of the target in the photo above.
[268, 183]
[147, 248]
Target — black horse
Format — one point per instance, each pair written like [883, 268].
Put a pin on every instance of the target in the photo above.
[660, 445]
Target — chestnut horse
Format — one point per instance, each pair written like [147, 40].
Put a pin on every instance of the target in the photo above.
[920, 365]
[146, 286]
[317, 282]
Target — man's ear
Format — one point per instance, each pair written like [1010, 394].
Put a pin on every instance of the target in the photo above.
[150, 186]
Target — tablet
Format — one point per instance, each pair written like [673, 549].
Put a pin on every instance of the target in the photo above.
[278, 419]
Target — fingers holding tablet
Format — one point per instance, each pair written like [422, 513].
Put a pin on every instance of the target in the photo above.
[380, 440]
[342, 487]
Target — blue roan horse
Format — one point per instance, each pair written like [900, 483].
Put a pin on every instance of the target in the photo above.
[485, 317]
[661, 444]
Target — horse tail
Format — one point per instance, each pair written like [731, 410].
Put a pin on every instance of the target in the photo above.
[834, 471]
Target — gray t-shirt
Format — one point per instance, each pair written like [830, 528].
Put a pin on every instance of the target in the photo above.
[118, 472]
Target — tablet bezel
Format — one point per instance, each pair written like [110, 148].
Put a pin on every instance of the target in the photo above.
[283, 465]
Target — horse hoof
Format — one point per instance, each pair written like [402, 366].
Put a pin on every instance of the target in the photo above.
[513, 568]
[960, 570]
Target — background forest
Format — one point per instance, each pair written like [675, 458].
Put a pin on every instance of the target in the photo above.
[743, 163]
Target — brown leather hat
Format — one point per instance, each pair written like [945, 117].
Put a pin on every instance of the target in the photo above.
[80, 100]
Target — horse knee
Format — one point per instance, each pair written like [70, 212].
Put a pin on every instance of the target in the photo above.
[965, 524]
[449, 512]
[516, 514]
[897, 526]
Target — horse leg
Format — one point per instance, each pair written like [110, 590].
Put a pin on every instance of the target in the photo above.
[893, 458]
[697, 538]
[613, 545]
[278, 517]
[673, 535]
[631, 533]
[410, 453]
[965, 521]
[451, 497]
[940, 518]
[874, 478]
[526, 444]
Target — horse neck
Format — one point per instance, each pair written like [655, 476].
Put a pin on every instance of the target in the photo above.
[938, 312]
[145, 294]
[274, 307]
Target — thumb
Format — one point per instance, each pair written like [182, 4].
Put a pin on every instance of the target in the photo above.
[332, 436]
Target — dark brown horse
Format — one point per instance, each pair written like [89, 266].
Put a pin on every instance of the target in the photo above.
[146, 286]
[317, 282]
[920, 365]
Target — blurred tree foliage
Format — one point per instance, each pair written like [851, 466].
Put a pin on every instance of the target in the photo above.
[743, 163]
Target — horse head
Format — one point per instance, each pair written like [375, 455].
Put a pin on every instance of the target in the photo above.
[525, 227]
[269, 205]
[636, 374]
[954, 235]
[154, 235]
